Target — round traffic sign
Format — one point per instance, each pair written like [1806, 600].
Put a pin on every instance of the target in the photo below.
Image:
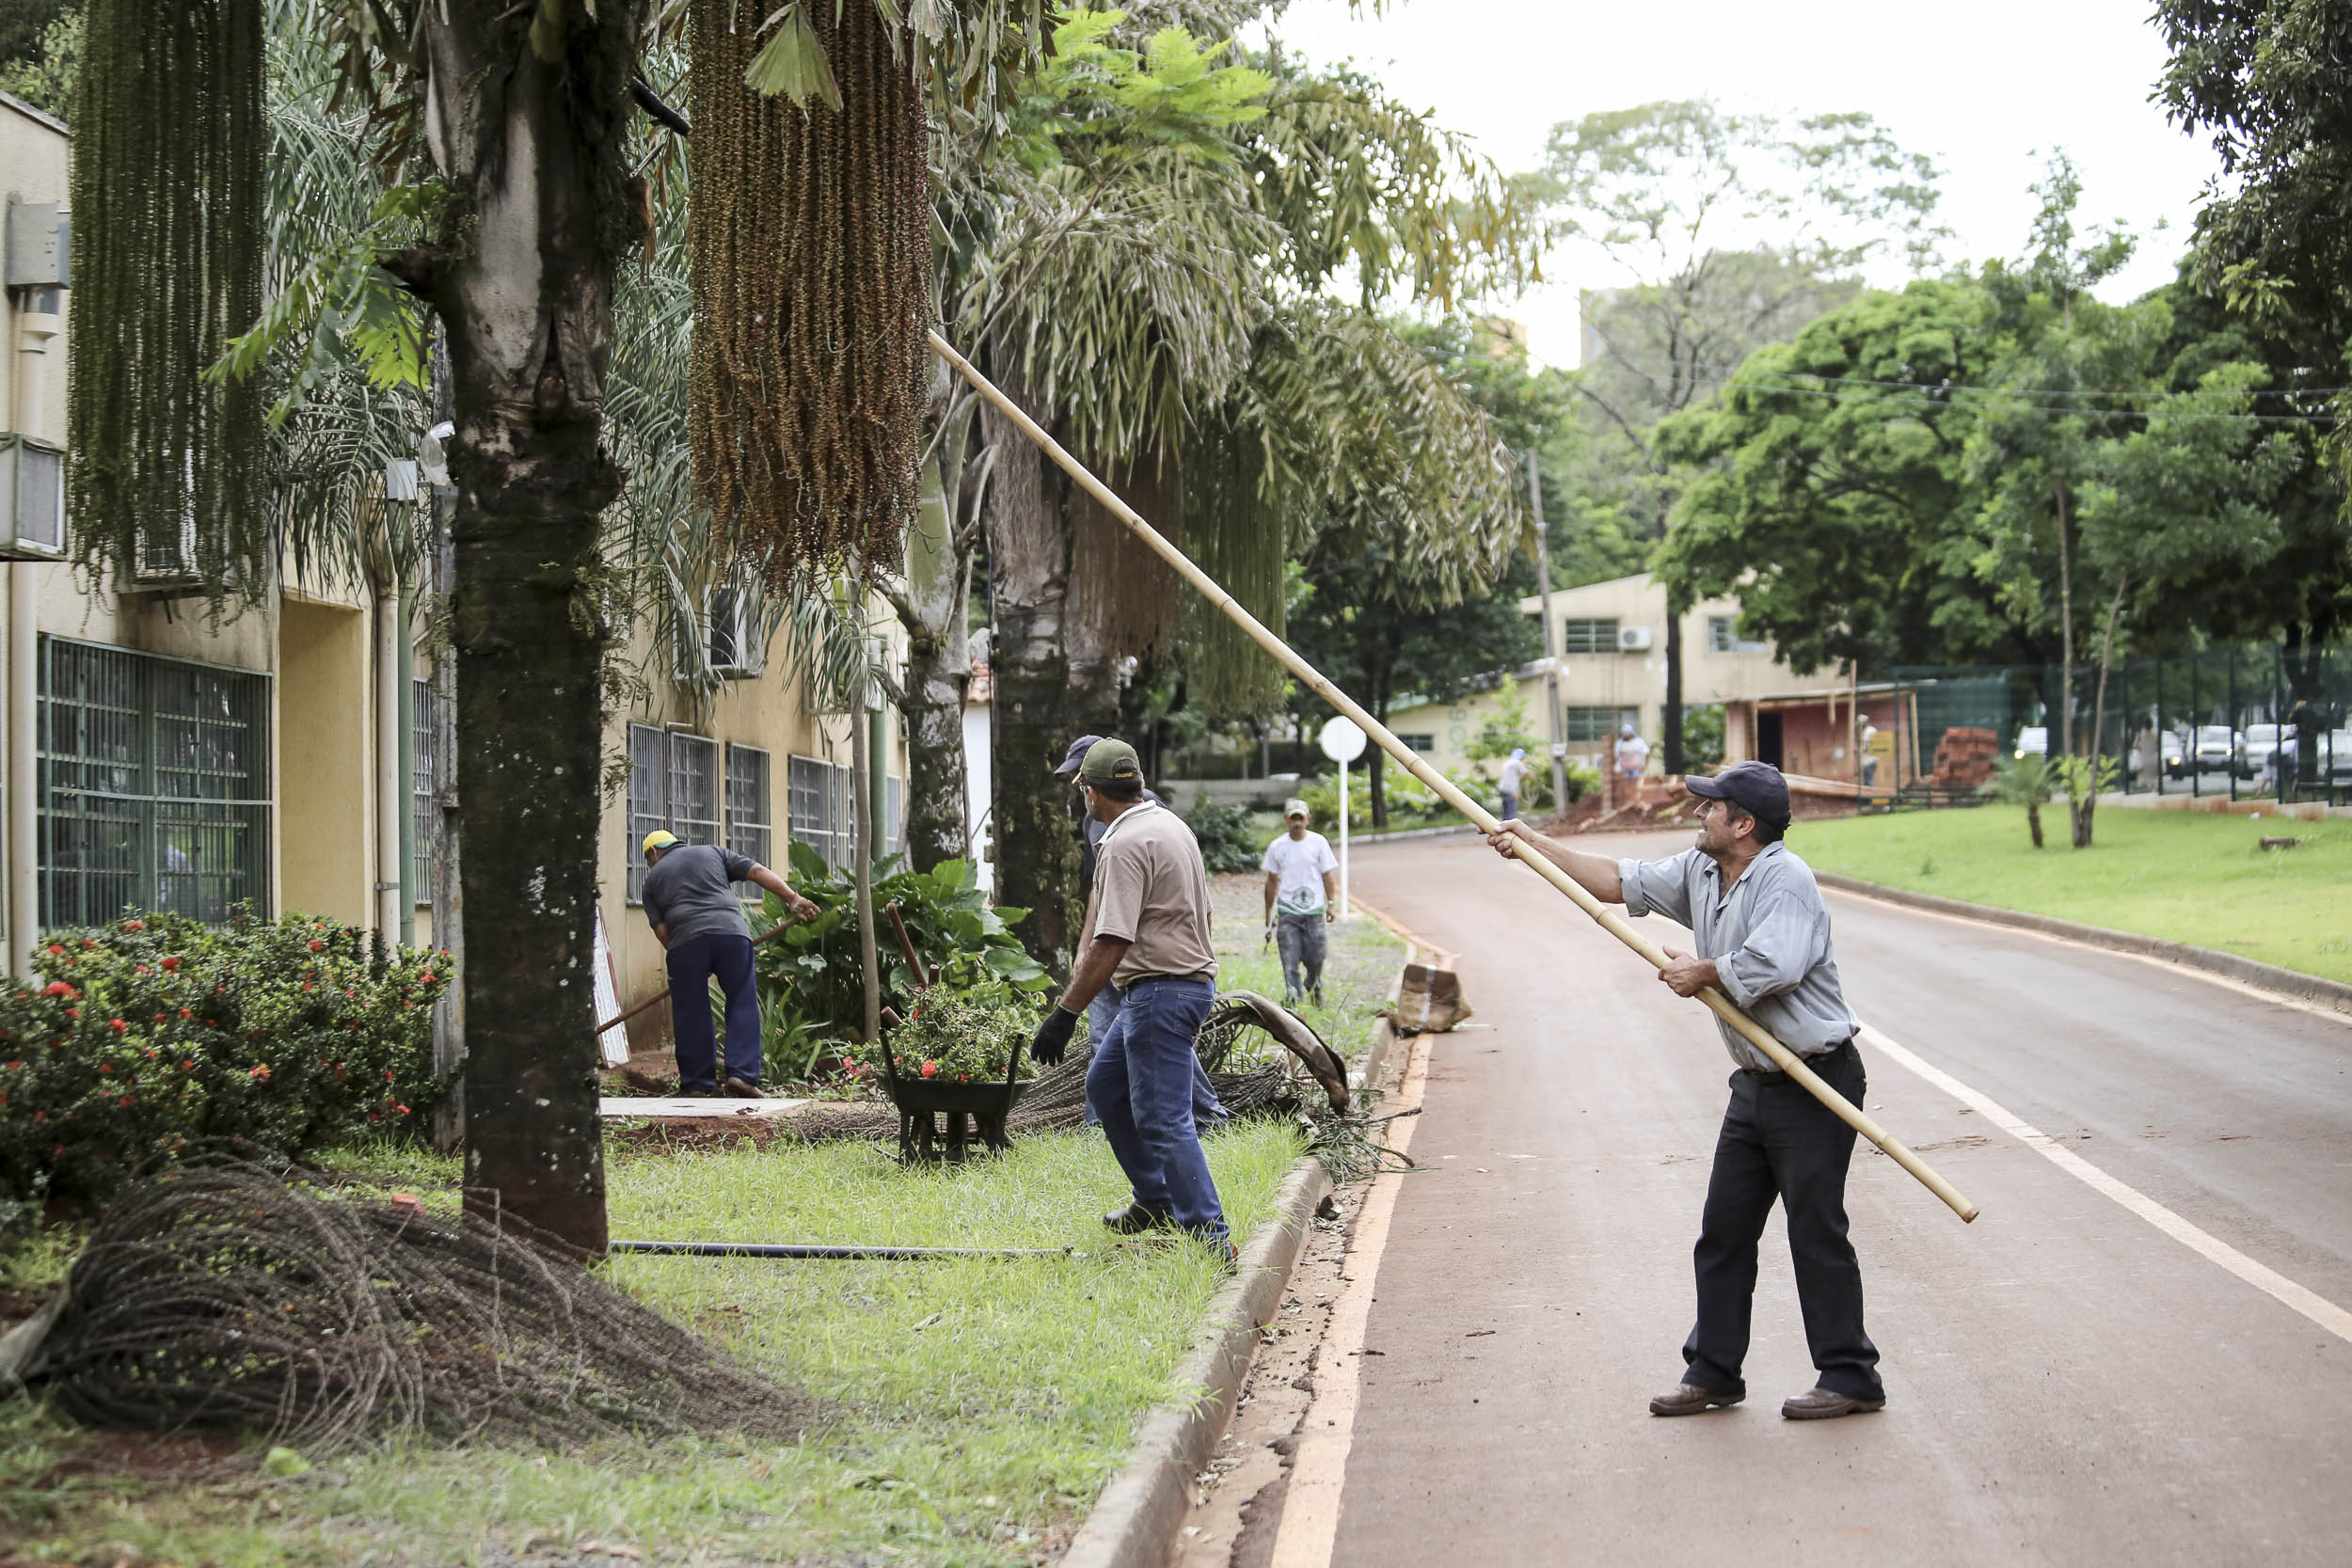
[1342, 739]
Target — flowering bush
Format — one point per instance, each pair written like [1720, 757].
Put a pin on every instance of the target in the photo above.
[956, 1035]
[156, 1031]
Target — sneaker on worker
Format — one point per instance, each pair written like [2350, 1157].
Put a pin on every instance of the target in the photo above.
[1135, 1219]
[1688, 1398]
[1820, 1405]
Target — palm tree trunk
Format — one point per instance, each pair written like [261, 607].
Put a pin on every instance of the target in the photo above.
[2099, 717]
[939, 669]
[532, 150]
[1037, 711]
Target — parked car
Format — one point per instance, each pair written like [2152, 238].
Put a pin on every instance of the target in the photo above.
[2331, 763]
[2034, 742]
[2175, 758]
[2218, 748]
[2262, 742]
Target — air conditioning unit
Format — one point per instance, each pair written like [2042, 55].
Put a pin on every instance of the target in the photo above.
[731, 640]
[1633, 640]
[32, 499]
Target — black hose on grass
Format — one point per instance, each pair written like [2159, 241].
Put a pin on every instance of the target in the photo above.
[786, 1249]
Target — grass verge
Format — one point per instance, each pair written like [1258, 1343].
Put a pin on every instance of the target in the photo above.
[2184, 875]
[975, 1406]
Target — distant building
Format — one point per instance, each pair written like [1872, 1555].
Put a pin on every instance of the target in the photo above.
[1612, 637]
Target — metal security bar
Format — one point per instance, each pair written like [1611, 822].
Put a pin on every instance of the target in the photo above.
[155, 785]
[424, 783]
[693, 788]
[750, 831]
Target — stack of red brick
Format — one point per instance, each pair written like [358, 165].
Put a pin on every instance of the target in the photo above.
[1963, 759]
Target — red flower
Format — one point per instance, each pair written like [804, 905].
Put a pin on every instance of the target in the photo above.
[56, 951]
[171, 963]
[73, 1012]
[134, 925]
[428, 978]
[125, 1101]
[40, 1116]
[140, 969]
[402, 1109]
[90, 941]
[187, 1066]
[106, 1067]
[316, 946]
[57, 988]
[930, 1069]
[183, 1012]
[117, 1026]
[259, 1073]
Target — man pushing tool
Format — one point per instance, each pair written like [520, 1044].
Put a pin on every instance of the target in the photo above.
[695, 916]
[1763, 939]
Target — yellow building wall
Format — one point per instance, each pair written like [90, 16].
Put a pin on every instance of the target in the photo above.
[325, 823]
[1605, 680]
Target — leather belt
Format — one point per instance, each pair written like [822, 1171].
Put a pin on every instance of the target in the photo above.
[1773, 1075]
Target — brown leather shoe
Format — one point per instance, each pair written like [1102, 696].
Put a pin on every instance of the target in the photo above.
[741, 1088]
[1688, 1398]
[1820, 1405]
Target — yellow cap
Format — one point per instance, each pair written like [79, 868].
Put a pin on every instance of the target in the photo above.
[661, 838]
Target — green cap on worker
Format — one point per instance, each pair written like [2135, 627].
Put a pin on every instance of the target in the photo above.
[661, 838]
[1111, 762]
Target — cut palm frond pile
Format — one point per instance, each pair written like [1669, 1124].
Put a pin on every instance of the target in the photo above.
[218, 1296]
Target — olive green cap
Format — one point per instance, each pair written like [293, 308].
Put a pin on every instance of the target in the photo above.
[1111, 762]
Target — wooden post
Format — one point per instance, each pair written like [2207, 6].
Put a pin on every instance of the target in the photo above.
[1411, 761]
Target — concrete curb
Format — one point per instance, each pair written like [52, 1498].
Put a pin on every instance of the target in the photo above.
[1134, 1521]
[2332, 994]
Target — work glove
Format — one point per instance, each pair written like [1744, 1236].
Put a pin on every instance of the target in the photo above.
[1053, 1037]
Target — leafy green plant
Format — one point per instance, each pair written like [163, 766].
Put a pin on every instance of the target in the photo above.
[156, 1031]
[810, 984]
[957, 1036]
[1227, 840]
[2026, 782]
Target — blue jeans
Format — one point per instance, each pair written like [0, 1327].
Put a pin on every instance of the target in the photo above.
[1100, 1012]
[1140, 1082]
[691, 964]
[1510, 807]
[1300, 939]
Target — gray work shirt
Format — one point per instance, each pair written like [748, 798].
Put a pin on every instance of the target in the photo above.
[687, 891]
[1768, 936]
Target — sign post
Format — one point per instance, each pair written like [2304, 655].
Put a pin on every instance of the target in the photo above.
[1343, 742]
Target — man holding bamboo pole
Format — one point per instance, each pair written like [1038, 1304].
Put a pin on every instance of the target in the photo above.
[1763, 939]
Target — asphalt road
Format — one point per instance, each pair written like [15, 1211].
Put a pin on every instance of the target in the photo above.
[2067, 1383]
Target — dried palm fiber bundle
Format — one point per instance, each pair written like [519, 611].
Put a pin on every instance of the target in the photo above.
[1127, 596]
[1238, 533]
[810, 251]
[214, 1295]
[166, 470]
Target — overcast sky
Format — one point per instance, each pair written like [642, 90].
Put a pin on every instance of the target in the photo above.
[1980, 88]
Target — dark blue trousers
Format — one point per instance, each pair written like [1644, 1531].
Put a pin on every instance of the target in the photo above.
[693, 964]
[1140, 1081]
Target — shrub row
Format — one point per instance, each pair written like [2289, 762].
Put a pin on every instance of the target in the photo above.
[157, 1033]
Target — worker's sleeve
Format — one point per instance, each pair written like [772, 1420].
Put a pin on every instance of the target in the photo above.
[1119, 875]
[655, 913]
[1661, 885]
[738, 866]
[1789, 937]
[1268, 864]
[1325, 860]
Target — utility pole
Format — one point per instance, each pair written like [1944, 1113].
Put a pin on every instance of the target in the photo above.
[1552, 639]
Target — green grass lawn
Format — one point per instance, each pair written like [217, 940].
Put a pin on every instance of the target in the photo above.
[974, 1407]
[2191, 876]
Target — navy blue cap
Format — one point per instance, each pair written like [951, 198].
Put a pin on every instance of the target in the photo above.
[1755, 787]
[1078, 750]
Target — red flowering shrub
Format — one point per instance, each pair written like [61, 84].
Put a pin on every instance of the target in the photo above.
[289, 1035]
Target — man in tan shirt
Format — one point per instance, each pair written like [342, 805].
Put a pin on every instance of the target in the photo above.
[1149, 940]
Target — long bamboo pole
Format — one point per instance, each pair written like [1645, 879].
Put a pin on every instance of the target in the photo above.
[1722, 1006]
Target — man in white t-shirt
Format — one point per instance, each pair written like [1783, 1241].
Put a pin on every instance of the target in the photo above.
[1301, 881]
[1514, 775]
[1632, 752]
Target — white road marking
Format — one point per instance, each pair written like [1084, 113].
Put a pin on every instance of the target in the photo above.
[2318, 1308]
[1311, 1506]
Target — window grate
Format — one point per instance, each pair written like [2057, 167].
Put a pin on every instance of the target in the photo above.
[1723, 636]
[154, 785]
[693, 789]
[647, 763]
[750, 829]
[1588, 636]
[818, 803]
[425, 785]
[1599, 723]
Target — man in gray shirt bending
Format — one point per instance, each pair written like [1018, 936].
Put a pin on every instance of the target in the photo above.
[1763, 941]
[692, 905]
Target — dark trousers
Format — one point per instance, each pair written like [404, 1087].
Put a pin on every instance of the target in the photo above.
[1779, 1142]
[1140, 1081]
[693, 964]
[1300, 939]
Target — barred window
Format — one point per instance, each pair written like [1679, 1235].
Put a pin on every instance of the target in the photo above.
[749, 828]
[1420, 740]
[424, 782]
[155, 785]
[649, 762]
[1589, 637]
[1723, 636]
[818, 801]
[1599, 723]
[693, 789]
[894, 816]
